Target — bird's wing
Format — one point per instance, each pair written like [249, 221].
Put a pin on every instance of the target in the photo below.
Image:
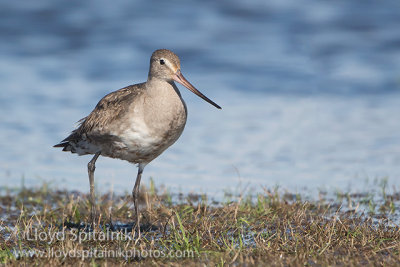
[111, 107]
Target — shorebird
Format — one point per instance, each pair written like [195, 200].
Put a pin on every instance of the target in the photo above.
[136, 123]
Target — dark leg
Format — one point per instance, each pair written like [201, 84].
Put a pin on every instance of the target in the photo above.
[91, 168]
[135, 195]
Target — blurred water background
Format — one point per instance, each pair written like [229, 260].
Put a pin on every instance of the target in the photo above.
[310, 90]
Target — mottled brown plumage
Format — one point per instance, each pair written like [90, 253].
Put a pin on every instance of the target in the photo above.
[110, 108]
[136, 123]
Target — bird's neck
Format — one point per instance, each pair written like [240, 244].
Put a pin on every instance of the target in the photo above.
[163, 105]
[161, 87]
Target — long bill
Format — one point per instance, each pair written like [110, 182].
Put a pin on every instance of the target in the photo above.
[178, 77]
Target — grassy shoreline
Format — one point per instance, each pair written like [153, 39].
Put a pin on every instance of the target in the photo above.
[46, 225]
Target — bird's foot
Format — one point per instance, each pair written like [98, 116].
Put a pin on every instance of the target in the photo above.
[94, 221]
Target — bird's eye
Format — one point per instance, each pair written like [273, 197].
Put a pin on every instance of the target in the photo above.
[162, 61]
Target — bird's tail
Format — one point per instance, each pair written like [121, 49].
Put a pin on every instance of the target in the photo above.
[65, 145]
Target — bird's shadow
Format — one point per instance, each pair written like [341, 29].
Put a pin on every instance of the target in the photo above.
[112, 227]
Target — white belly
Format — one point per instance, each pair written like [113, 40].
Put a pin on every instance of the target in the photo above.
[141, 142]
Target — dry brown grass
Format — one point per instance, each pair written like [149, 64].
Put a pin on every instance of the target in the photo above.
[263, 229]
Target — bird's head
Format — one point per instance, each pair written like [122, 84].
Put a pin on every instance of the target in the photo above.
[165, 65]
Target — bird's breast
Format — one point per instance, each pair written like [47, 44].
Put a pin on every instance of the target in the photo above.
[167, 120]
[151, 127]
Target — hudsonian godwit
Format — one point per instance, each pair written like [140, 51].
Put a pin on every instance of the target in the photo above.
[136, 123]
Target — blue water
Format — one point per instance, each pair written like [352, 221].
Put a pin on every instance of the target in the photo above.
[310, 90]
